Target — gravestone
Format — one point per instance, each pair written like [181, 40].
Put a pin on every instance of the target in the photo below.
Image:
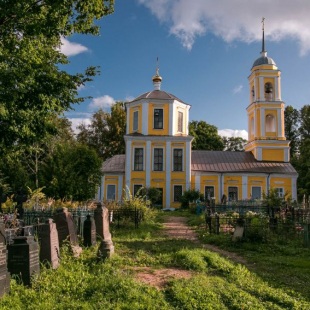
[49, 244]
[4, 275]
[67, 230]
[106, 248]
[89, 232]
[2, 232]
[23, 258]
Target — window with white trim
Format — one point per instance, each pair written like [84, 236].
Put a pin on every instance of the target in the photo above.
[209, 192]
[256, 192]
[138, 159]
[180, 121]
[158, 119]
[232, 193]
[135, 120]
[177, 193]
[136, 189]
[111, 191]
[178, 160]
[158, 159]
[280, 192]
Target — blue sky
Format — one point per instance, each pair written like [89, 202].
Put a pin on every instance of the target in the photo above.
[206, 50]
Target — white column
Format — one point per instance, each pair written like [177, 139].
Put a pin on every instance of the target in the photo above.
[188, 165]
[148, 166]
[255, 92]
[255, 125]
[128, 119]
[262, 122]
[145, 108]
[128, 163]
[120, 187]
[279, 87]
[279, 125]
[168, 174]
[197, 183]
[244, 187]
[171, 120]
[261, 88]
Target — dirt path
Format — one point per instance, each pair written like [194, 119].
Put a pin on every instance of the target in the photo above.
[176, 227]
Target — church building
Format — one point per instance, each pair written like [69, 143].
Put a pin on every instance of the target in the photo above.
[159, 154]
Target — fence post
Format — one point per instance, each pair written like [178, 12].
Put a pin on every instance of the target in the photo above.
[217, 224]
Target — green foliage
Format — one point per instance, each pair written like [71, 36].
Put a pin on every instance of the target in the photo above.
[34, 86]
[190, 195]
[205, 136]
[106, 131]
[235, 144]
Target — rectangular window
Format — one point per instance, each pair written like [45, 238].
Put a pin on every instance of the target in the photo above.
[136, 189]
[158, 159]
[232, 193]
[180, 122]
[135, 120]
[177, 160]
[280, 191]
[111, 189]
[158, 119]
[209, 192]
[138, 161]
[177, 193]
[256, 192]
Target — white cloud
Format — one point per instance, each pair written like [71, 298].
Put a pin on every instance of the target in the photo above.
[233, 133]
[78, 121]
[103, 102]
[237, 89]
[234, 19]
[71, 49]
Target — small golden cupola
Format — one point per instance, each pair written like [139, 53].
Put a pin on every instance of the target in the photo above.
[266, 132]
[157, 80]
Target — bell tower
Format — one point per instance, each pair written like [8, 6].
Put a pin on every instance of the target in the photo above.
[266, 131]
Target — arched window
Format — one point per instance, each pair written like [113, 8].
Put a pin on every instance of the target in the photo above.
[268, 91]
[270, 123]
[253, 93]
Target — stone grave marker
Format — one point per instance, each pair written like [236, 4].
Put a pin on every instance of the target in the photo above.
[238, 233]
[67, 230]
[4, 275]
[106, 248]
[89, 232]
[23, 258]
[2, 232]
[49, 244]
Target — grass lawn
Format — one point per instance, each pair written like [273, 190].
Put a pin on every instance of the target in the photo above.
[213, 282]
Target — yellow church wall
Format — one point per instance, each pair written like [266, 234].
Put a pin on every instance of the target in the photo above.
[278, 182]
[111, 180]
[151, 129]
[273, 154]
[210, 180]
[233, 181]
[132, 110]
[256, 181]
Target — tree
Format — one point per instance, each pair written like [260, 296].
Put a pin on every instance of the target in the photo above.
[72, 172]
[205, 136]
[33, 88]
[291, 120]
[234, 144]
[106, 132]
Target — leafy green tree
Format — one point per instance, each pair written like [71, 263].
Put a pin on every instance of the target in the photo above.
[291, 120]
[72, 172]
[234, 144]
[106, 132]
[33, 87]
[206, 136]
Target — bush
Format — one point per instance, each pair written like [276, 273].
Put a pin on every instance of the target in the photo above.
[190, 195]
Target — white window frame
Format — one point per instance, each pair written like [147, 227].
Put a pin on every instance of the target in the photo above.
[179, 185]
[111, 185]
[178, 148]
[163, 156]
[162, 118]
[135, 121]
[280, 191]
[260, 192]
[134, 156]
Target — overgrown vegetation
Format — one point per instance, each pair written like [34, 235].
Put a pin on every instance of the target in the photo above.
[214, 282]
